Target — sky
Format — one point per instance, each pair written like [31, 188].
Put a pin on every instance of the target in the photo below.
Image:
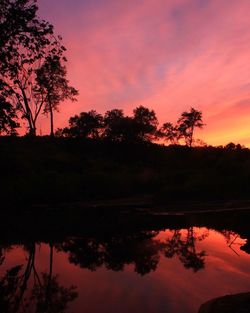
[168, 55]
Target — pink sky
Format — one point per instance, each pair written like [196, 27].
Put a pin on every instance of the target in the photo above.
[166, 55]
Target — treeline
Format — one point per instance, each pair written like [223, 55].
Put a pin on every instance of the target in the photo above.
[142, 126]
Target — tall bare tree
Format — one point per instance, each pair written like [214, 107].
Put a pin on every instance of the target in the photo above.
[53, 86]
[27, 43]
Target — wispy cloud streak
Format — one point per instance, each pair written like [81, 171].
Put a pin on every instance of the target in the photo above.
[169, 55]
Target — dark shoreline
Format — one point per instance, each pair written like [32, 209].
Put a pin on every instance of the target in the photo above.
[55, 171]
[59, 223]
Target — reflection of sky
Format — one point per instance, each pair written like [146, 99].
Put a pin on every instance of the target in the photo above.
[168, 55]
[171, 288]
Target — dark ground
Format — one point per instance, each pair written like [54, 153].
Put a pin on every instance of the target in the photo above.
[37, 171]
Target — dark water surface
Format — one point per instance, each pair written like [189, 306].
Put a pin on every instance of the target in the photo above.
[148, 270]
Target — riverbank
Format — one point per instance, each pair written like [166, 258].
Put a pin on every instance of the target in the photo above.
[43, 171]
[63, 222]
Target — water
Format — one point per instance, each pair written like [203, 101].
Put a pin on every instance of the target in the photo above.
[166, 270]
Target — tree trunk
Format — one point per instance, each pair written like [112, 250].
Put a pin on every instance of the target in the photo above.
[191, 136]
[28, 114]
[26, 277]
[52, 134]
[48, 288]
[32, 131]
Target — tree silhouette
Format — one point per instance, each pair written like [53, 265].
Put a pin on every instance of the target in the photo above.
[113, 125]
[119, 128]
[27, 43]
[187, 123]
[8, 124]
[169, 133]
[146, 122]
[85, 125]
[53, 85]
[18, 25]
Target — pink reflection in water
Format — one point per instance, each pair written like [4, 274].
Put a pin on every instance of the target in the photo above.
[170, 288]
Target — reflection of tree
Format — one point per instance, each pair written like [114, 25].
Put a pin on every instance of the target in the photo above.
[2, 257]
[14, 284]
[49, 295]
[139, 249]
[231, 240]
[8, 286]
[185, 249]
[56, 300]
[20, 290]
[3, 250]
[23, 288]
[229, 236]
[87, 253]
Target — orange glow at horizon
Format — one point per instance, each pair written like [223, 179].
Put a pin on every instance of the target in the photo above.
[166, 55]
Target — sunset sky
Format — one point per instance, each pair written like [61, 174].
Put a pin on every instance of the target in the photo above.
[168, 55]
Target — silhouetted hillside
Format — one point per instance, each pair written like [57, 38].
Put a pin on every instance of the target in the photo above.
[44, 170]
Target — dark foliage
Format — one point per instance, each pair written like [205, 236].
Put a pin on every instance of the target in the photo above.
[32, 72]
[114, 126]
[85, 125]
[8, 118]
[184, 128]
[66, 169]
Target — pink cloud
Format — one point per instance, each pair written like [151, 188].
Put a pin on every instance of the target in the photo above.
[168, 55]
